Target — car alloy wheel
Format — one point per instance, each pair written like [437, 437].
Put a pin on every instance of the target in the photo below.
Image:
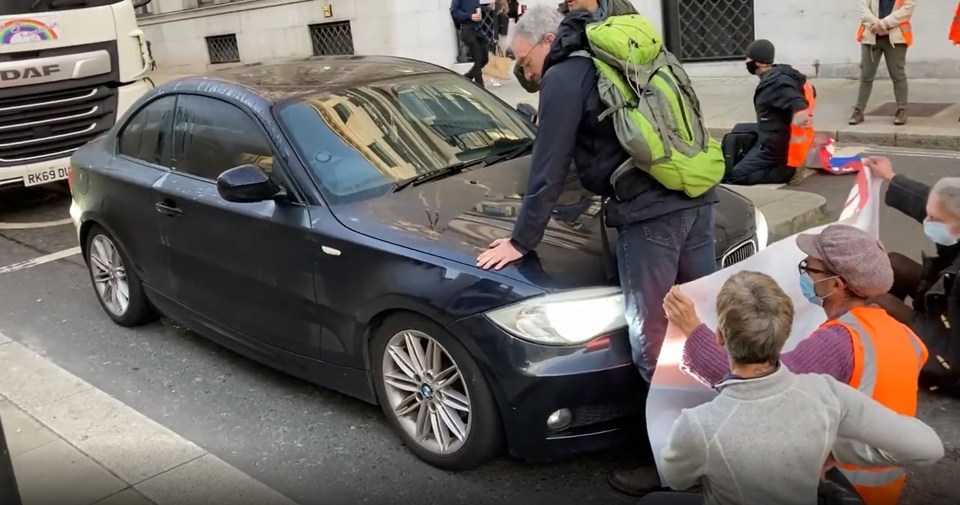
[109, 275]
[426, 392]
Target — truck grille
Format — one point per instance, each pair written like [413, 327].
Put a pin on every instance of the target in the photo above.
[44, 126]
[739, 252]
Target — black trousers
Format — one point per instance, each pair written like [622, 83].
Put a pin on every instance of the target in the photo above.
[748, 163]
[476, 43]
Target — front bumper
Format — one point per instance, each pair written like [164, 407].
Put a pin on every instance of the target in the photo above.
[600, 387]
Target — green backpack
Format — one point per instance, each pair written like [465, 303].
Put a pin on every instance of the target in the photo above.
[654, 108]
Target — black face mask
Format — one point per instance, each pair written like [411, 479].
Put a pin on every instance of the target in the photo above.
[752, 67]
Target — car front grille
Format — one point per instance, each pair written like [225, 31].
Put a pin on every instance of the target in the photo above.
[54, 124]
[739, 252]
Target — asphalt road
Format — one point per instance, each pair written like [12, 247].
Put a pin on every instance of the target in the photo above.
[313, 445]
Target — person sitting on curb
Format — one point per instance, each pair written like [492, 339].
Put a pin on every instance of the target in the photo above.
[859, 344]
[935, 312]
[601, 9]
[767, 435]
[771, 150]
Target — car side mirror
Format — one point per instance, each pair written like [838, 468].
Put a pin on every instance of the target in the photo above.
[140, 3]
[528, 111]
[247, 184]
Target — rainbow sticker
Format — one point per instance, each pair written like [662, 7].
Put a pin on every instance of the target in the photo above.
[25, 31]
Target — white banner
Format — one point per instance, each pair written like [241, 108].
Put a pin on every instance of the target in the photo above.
[672, 390]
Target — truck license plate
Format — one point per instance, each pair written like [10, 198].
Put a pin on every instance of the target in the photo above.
[45, 176]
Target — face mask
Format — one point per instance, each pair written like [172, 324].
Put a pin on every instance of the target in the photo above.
[806, 287]
[939, 233]
[752, 67]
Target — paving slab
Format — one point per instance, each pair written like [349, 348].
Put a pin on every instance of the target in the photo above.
[787, 212]
[72, 444]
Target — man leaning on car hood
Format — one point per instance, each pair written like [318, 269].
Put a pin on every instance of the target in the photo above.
[665, 237]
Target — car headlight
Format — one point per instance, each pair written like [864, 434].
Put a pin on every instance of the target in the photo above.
[566, 318]
[763, 232]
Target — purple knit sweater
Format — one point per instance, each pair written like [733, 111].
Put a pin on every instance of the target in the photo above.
[826, 351]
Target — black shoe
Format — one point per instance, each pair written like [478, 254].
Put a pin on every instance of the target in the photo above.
[636, 481]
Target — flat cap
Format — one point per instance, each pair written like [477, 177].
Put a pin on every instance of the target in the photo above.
[851, 253]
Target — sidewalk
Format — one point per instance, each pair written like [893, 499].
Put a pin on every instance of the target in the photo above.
[728, 101]
[72, 444]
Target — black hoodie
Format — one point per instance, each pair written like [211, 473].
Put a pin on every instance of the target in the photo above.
[779, 95]
[570, 131]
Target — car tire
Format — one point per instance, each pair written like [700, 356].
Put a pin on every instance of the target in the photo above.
[483, 436]
[102, 253]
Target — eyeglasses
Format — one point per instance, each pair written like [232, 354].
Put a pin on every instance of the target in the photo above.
[524, 60]
[803, 267]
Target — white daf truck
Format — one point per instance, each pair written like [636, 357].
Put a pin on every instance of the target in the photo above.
[68, 70]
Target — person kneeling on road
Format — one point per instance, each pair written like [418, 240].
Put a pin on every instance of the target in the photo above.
[935, 313]
[664, 236]
[859, 344]
[771, 150]
[766, 437]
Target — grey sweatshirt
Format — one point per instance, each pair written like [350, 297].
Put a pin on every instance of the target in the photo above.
[765, 440]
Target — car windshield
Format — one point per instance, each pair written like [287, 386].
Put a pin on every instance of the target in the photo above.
[17, 7]
[360, 142]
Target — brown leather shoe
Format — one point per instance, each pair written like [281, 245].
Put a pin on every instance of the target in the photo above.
[901, 117]
[856, 117]
[636, 481]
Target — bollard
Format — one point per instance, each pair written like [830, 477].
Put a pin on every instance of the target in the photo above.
[9, 492]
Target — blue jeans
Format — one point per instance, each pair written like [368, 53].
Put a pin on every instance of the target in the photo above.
[653, 256]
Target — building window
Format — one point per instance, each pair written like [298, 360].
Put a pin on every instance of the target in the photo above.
[223, 49]
[708, 30]
[331, 39]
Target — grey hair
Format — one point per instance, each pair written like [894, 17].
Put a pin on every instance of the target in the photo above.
[947, 191]
[754, 315]
[537, 22]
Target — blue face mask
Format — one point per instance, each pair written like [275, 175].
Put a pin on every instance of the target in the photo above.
[939, 233]
[806, 287]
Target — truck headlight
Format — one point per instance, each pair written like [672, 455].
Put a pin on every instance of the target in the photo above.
[566, 318]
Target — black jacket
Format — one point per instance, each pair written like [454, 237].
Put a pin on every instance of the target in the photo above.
[570, 130]
[779, 95]
[910, 197]
[462, 10]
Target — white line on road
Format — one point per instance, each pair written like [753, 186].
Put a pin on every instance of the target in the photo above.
[38, 224]
[47, 258]
[918, 153]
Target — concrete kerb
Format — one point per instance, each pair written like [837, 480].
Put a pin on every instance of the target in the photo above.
[855, 136]
[787, 212]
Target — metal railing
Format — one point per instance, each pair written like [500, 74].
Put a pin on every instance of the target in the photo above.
[330, 39]
[223, 49]
[709, 30]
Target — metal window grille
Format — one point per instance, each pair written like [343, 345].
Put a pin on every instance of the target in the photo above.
[223, 49]
[330, 39]
[709, 30]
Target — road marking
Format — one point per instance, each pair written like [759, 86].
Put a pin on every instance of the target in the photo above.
[156, 461]
[38, 224]
[47, 258]
[917, 153]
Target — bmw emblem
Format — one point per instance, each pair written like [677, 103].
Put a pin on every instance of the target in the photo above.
[426, 391]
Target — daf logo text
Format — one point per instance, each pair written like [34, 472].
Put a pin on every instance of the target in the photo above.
[28, 73]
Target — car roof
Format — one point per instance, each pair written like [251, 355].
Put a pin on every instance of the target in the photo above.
[285, 79]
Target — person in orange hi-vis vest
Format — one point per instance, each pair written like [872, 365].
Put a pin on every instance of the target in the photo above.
[955, 27]
[860, 344]
[885, 30]
[770, 150]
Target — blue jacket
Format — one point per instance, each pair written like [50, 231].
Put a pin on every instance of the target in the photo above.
[462, 10]
[569, 131]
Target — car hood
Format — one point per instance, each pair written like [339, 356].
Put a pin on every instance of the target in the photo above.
[459, 216]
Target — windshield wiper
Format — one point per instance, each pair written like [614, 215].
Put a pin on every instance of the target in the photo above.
[454, 169]
[518, 147]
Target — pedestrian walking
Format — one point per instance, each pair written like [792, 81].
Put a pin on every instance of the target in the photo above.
[467, 17]
[885, 31]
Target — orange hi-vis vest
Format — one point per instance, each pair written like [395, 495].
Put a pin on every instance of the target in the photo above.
[955, 27]
[887, 357]
[801, 137]
[906, 28]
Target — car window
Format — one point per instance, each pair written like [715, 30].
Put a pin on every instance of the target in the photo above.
[358, 142]
[147, 134]
[213, 136]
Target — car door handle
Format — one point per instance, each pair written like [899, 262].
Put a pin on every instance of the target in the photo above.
[168, 209]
